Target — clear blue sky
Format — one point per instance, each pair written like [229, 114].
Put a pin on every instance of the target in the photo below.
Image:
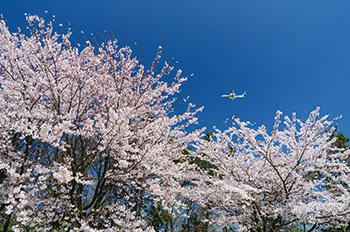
[288, 55]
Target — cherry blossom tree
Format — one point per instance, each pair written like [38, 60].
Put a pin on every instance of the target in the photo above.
[89, 142]
[88, 136]
[269, 181]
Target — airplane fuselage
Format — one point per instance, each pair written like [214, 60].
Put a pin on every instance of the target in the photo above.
[233, 96]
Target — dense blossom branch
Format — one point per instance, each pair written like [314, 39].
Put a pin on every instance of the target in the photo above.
[100, 132]
[271, 181]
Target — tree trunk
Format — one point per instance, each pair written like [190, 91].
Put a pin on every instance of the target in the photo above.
[7, 222]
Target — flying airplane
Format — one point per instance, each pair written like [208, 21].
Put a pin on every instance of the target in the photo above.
[233, 96]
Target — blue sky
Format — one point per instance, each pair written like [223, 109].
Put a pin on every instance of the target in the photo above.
[288, 55]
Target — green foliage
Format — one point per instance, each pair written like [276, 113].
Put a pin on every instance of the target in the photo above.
[341, 140]
[160, 219]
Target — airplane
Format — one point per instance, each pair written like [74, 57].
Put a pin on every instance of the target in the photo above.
[233, 96]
